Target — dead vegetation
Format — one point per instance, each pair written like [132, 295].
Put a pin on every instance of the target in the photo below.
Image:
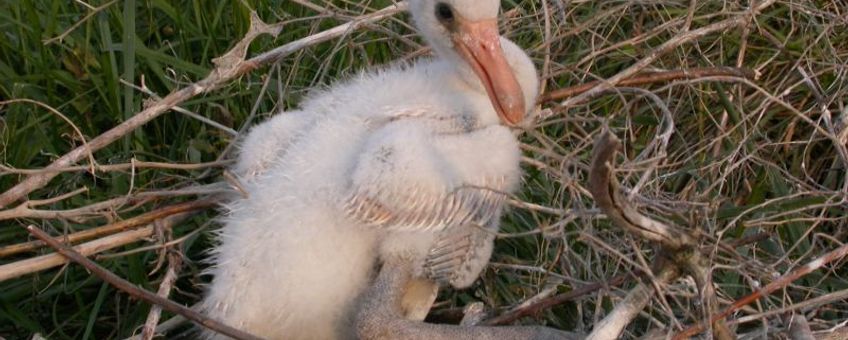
[723, 214]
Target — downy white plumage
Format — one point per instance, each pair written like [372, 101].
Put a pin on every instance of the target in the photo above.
[411, 160]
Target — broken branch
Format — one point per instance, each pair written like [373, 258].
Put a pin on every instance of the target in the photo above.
[679, 245]
[606, 194]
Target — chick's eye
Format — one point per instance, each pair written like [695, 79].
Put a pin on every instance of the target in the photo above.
[444, 12]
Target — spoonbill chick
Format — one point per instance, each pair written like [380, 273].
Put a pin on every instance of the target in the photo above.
[410, 161]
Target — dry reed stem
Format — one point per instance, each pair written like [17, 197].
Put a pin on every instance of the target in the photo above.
[5, 170]
[44, 262]
[107, 208]
[114, 227]
[806, 305]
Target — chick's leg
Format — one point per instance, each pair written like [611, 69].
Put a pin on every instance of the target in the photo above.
[380, 315]
[418, 296]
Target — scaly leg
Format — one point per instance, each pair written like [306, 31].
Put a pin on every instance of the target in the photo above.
[381, 316]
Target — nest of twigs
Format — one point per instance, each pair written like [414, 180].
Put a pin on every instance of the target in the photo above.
[732, 122]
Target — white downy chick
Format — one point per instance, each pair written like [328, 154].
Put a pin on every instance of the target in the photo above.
[410, 160]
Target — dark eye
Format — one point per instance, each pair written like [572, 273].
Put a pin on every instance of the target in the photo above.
[444, 12]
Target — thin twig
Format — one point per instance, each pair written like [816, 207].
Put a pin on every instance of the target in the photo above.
[91, 13]
[661, 50]
[547, 303]
[89, 153]
[810, 304]
[174, 263]
[780, 282]
[335, 32]
[110, 206]
[212, 123]
[137, 292]
[544, 304]
[44, 262]
[114, 227]
[229, 66]
[647, 79]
